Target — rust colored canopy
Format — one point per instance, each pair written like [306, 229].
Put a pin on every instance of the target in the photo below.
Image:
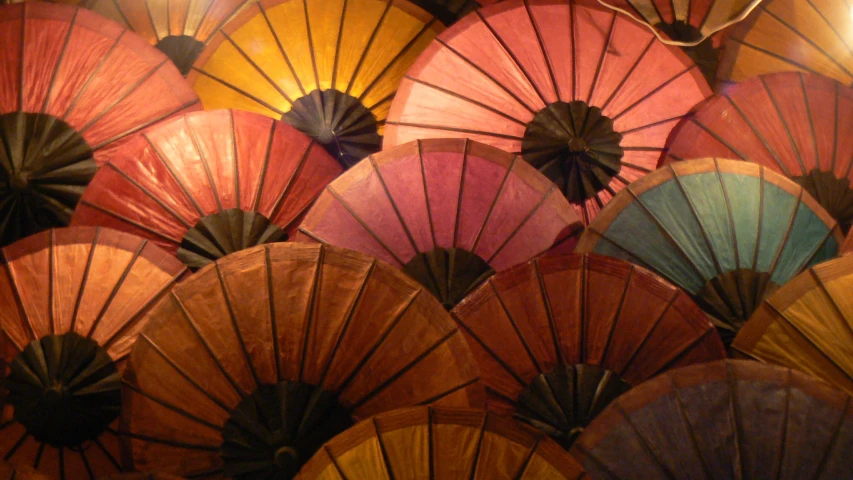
[584, 94]
[73, 303]
[210, 183]
[328, 67]
[723, 420]
[439, 443]
[258, 359]
[74, 87]
[446, 211]
[795, 123]
[806, 325]
[559, 338]
[814, 36]
[728, 232]
[9, 472]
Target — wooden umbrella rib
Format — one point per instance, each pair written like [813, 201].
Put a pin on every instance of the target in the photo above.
[273, 316]
[542, 50]
[456, 130]
[147, 193]
[653, 124]
[729, 210]
[151, 18]
[783, 438]
[574, 56]
[120, 12]
[237, 332]
[171, 443]
[495, 200]
[82, 89]
[628, 75]
[644, 442]
[600, 466]
[694, 442]
[173, 408]
[488, 350]
[311, 308]
[311, 44]
[235, 155]
[39, 454]
[514, 325]
[467, 100]
[787, 236]
[173, 173]
[22, 85]
[617, 315]
[783, 122]
[106, 452]
[698, 219]
[835, 306]
[281, 49]
[642, 343]
[86, 464]
[809, 41]
[16, 446]
[85, 278]
[142, 311]
[246, 94]
[129, 221]
[257, 67]
[333, 461]
[203, 19]
[290, 181]
[821, 466]
[811, 120]
[60, 60]
[22, 313]
[338, 41]
[264, 169]
[776, 56]
[830, 25]
[364, 224]
[204, 161]
[528, 457]
[735, 417]
[145, 125]
[397, 213]
[546, 303]
[449, 391]
[387, 99]
[386, 462]
[654, 91]
[168, 17]
[426, 193]
[693, 343]
[476, 457]
[524, 221]
[367, 47]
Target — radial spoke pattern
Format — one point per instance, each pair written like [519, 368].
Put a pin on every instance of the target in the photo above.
[339, 327]
[722, 420]
[727, 232]
[558, 338]
[502, 69]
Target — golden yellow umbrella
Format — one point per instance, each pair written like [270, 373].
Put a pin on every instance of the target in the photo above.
[806, 324]
[813, 36]
[328, 67]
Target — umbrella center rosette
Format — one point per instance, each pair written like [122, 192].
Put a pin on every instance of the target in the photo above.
[65, 390]
[575, 146]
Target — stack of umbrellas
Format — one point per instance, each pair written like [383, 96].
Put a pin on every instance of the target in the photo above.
[408, 239]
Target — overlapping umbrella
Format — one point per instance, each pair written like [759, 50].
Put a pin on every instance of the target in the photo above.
[726, 231]
[74, 301]
[439, 443]
[258, 359]
[210, 183]
[327, 67]
[794, 123]
[446, 211]
[723, 420]
[585, 95]
[557, 339]
[75, 86]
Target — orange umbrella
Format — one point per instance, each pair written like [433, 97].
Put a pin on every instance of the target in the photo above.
[793, 123]
[558, 338]
[258, 359]
[446, 211]
[75, 87]
[210, 183]
[440, 443]
[585, 95]
[74, 302]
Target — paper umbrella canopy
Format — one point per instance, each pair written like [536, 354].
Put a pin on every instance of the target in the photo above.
[210, 183]
[584, 94]
[558, 338]
[722, 420]
[75, 86]
[441, 443]
[328, 67]
[728, 232]
[793, 123]
[74, 300]
[258, 359]
[446, 211]
[805, 325]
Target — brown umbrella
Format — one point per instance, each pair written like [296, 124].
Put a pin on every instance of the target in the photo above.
[723, 420]
[258, 359]
[441, 443]
[558, 338]
[74, 301]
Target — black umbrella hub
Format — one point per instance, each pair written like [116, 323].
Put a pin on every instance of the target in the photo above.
[183, 50]
[450, 274]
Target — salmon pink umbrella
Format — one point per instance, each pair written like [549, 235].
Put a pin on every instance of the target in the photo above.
[75, 86]
[585, 95]
[210, 183]
[447, 212]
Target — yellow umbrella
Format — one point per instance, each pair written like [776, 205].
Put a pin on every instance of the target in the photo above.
[328, 67]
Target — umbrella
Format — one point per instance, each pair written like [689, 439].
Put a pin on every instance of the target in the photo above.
[585, 95]
[141, 476]
[794, 123]
[327, 67]
[449, 11]
[74, 87]
[558, 338]
[727, 232]
[9, 472]
[427, 443]
[723, 420]
[446, 211]
[258, 359]
[847, 246]
[74, 300]
[805, 325]
[791, 35]
[209, 183]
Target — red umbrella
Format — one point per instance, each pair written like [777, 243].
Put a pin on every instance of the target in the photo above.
[446, 211]
[210, 183]
[584, 94]
[75, 86]
[74, 300]
[794, 123]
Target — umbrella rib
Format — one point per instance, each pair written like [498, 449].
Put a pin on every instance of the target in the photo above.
[573, 32]
[617, 315]
[476, 458]
[529, 456]
[696, 341]
[60, 60]
[264, 168]
[650, 94]
[121, 12]
[51, 276]
[698, 219]
[109, 455]
[173, 173]
[311, 307]
[23, 56]
[500, 361]
[171, 443]
[145, 125]
[835, 134]
[784, 436]
[338, 40]
[82, 89]
[397, 213]
[148, 193]
[228, 304]
[382, 450]
[273, 316]
[512, 57]
[784, 123]
[286, 190]
[363, 224]
[239, 90]
[257, 67]
[521, 225]
[514, 326]
[650, 125]
[129, 221]
[426, 193]
[16, 446]
[632, 167]
[735, 417]
[151, 18]
[811, 120]
[732, 228]
[773, 55]
[726, 144]
[449, 391]
[281, 49]
[688, 426]
[234, 153]
[116, 288]
[811, 42]
[642, 343]
[601, 467]
[204, 162]
[644, 443]
[833, 440]
[542, 50]
[169, 406]
[546, 302]
[203, 18]
[367, 47]
[828, 24]
[22, 313]
[311, 44]
[142, 311]
[458, 212]
[86, 464]
[600, 64]
[628, 75]
[760, 217]
[494, 202]
[787, 236]
[467, 100]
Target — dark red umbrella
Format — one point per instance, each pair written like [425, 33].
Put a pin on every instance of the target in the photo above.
[794, 123]
[557, 339]
[584, 94]
[75, 86]
[446, 211]
[210, 183]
